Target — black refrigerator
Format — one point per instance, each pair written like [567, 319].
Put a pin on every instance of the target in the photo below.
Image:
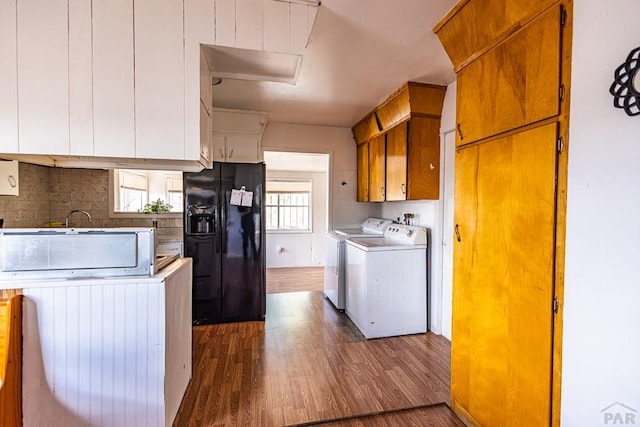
[225, 238]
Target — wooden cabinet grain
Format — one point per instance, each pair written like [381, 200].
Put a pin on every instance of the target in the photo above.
[423, 168]
[362, 193]
[377, 184]
[472, 27]
[516, 83]
[396, 166]
[408, 124]
[502, 289]
[510, 114]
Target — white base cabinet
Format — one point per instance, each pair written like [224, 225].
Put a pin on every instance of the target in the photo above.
[107, 352]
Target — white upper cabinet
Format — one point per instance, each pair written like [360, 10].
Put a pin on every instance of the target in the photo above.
[159, 79]
[8, 77]
[123, 79]
[198, 29]
[80, 79]
[113, 80]
[43, 70]
[232, 148]
[237, 135]
[239, 121]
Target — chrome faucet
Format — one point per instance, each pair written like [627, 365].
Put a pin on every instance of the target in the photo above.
[66, 220]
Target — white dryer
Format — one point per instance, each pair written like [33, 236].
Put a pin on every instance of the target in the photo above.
[334, 267]
[386, 282]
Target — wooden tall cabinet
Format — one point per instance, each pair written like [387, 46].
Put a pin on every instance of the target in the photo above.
[510, 191]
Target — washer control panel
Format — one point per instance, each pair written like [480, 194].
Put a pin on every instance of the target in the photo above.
[407, 234]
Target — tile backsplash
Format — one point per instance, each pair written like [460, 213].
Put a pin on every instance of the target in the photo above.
[48, 194]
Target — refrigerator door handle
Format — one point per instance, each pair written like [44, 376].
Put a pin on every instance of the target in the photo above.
[224, 234]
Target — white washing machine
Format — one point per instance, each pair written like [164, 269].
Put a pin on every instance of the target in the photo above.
[334, 267]
[387, 282]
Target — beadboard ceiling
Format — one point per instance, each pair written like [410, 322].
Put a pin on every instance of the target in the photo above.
[359, 51]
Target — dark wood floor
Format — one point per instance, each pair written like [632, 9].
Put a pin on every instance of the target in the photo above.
[308, 363]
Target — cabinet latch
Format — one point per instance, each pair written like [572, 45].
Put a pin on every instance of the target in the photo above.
[559, 144]
[563, 17]
[556, 305]
[561, 93]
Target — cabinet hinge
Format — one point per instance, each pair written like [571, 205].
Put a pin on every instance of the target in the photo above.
[559, 144]
[563, 17]
[556, 305]
[561, 93]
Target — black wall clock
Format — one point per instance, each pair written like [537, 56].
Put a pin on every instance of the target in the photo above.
[626, 84]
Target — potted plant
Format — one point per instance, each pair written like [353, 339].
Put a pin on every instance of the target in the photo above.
[157, 206]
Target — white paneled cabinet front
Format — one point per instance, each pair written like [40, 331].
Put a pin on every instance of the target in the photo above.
[113, 81]
[43, 70]
[159, 79]
[8, 77]
[236, 148]
[107, 352]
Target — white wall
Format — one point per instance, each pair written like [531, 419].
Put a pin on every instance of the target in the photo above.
[601, 345]
[338, 142]
[301, 249]
[429, 214]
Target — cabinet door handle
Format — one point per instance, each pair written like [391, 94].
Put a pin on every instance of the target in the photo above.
[382, 191]
[403, 188]
[457, 230]
[221, 153]
[460, 132]
[231, 153]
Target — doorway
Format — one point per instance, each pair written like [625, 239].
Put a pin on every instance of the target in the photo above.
[297, 189]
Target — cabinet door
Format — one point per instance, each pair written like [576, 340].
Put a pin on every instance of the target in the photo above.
[396, 158]
[503, 278]
[363, 173]
[516, 83]
[219, 148]
[243, 149]
[43, 68]
[423, 176]
[377, 169]
[113, 94]
[8, 77]
[80, 80]
[159, 79]
[198, 28]
[467, 32]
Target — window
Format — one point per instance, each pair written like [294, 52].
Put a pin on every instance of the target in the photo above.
[288, 206]
[174, 193]
[132, 189]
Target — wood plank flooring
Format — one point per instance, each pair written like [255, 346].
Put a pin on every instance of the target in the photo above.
[308, 363]
[295, 279]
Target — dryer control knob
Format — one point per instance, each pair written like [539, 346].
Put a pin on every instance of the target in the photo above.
[409, 233]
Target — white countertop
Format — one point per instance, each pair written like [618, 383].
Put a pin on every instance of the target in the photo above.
[122, 280]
